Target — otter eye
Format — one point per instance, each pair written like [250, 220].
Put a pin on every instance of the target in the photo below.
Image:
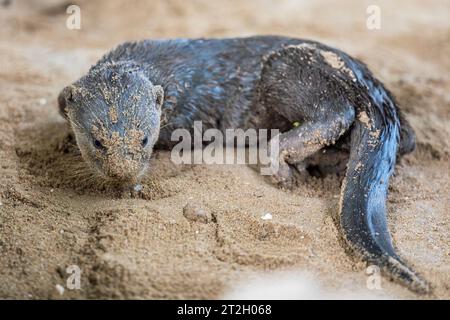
[144, 141]
[98, 144]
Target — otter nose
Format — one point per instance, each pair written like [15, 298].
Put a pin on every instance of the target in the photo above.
[122, 167]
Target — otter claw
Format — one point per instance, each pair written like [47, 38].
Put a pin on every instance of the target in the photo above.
[286, 177]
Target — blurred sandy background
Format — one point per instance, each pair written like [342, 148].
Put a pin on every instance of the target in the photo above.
[145, 248]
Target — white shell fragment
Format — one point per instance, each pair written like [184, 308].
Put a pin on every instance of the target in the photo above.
[267, 216]
[195, 213]
[60, 289]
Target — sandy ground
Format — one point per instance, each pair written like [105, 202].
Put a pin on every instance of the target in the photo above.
[145, 247]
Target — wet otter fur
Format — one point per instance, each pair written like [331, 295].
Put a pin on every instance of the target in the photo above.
[137, 94]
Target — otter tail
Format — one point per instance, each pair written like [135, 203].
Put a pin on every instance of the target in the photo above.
[362, 216]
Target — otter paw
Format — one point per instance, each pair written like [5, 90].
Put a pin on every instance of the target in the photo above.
[287, 176]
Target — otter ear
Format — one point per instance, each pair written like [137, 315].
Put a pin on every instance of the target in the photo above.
[65, 96]
[158, 91]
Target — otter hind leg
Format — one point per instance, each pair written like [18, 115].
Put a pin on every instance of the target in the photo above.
[303, 142]
[301, 87]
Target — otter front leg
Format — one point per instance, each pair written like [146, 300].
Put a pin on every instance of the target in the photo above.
[299, 143]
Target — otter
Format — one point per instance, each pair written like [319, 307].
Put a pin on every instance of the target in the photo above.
[137, 94]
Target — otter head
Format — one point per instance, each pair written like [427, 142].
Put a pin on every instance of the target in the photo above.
[115, 113]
